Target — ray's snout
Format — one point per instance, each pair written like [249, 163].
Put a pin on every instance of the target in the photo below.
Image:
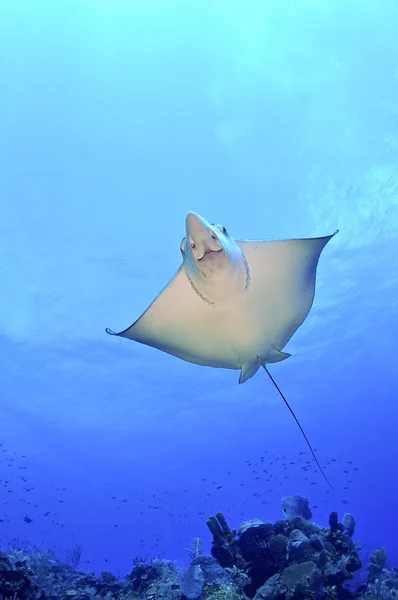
[195, 223]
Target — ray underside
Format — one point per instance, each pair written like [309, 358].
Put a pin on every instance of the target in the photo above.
[280, 294]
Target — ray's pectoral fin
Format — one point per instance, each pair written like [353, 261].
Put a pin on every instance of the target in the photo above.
[250, 369]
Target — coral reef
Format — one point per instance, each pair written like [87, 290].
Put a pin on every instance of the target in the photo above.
[291, 559]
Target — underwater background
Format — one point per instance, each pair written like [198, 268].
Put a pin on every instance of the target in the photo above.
[278, 119]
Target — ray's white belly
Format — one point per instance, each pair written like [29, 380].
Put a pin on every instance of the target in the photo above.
[230, 338]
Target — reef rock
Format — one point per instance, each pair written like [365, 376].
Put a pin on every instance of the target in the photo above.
[296, 506]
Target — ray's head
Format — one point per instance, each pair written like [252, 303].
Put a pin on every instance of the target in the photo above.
[205, 245]
[211, 257]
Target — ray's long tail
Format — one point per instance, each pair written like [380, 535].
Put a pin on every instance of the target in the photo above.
[299, 425]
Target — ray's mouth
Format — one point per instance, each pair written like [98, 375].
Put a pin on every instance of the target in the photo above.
[209, 253]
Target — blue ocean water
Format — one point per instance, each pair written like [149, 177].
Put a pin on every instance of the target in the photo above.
[278, 119]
